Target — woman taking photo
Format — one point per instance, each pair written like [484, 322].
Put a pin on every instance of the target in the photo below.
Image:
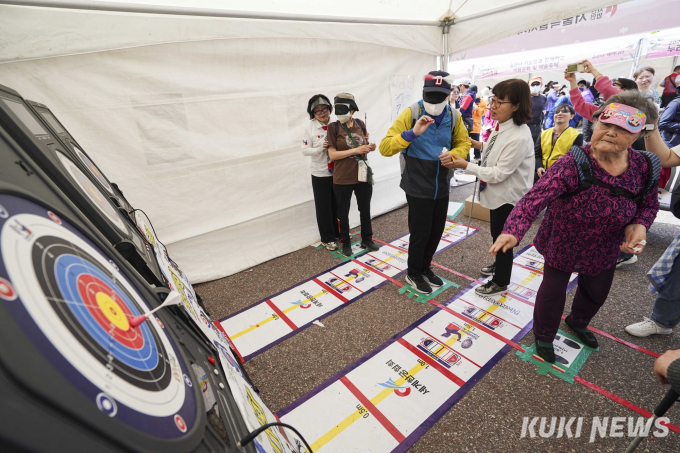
[506, 171]
[600, 198]
[314, 145]
[348, 147]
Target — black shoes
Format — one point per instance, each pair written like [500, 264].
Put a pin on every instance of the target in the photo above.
[546, 353]
[587, 337]
[490, 289]
[432, 279]
[347, 249]
[489, 270]
[418, 283]
[370, 245]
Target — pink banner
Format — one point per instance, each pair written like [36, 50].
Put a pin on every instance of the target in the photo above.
[664, 47]
[637, 16]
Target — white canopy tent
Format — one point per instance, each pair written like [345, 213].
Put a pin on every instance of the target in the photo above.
[197, 113]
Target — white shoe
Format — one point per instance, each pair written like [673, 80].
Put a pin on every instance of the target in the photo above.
[631, 260]
[646, 328]
[330, 245]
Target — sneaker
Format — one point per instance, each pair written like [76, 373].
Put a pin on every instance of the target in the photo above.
[347, 249]
[646, 328]
[418, 283]
[547, 354]
[432, 279]
[587, 337]
[370, 245]
[330, 245]
[490, 289]
[624, 262]
[489, 270]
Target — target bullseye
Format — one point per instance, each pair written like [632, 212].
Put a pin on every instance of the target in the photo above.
[112, 311]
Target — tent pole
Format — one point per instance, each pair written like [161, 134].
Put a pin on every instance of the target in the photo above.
[638, 56]
[445, 45]
[202, 12]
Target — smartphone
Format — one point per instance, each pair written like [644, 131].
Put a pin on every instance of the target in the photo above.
[575, 67]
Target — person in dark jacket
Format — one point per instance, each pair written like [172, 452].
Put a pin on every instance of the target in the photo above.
[669, 124]
[467, 102]
[421, 134]
[538, 102]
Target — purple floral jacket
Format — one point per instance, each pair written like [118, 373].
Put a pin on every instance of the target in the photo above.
[582, 233]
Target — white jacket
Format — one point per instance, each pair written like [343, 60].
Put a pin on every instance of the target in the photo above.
[313, 137]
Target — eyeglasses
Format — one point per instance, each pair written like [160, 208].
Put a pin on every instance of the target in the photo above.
[320, 110]
[496, 103]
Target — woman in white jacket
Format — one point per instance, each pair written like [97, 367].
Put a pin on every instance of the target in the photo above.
[314, 144]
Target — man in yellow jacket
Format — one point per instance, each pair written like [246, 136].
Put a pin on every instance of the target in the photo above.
[554, 143]
[421, 134]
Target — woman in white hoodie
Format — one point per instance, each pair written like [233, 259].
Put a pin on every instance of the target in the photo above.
[314, 144]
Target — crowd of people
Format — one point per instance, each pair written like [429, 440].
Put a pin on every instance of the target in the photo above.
[590, 158]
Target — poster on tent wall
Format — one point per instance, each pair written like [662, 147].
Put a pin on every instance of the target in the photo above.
[637, 16]
[667, 46]
[401, 92]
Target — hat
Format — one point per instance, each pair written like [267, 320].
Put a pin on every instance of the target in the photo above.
[437, 81]
[473, 88]
[464, 81]
[582, 80]
[536, 79]
[319, 101]
[624, 116]
[346, 98]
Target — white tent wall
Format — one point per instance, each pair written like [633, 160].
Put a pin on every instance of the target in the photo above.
[205, 136]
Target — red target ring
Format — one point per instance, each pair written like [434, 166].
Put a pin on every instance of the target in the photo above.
[6, 290]
[403, 392]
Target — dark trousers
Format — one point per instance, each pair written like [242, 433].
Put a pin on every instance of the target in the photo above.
[326, 208]
[536, 130]
[363, 192]
[426, 222]
[501, 276]
[478, 152]
[591, 293]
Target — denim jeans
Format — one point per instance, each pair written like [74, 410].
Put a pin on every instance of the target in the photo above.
[666, 309]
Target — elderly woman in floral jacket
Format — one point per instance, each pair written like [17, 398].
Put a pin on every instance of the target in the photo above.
[586, 224]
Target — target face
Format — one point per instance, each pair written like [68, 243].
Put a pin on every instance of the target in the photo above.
[93, 170]
[95, 195]
[75, 306]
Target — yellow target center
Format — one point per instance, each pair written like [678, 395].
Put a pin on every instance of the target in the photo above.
[112, 311]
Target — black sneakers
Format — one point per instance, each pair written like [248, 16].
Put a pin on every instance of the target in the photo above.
[347, 249]
[370, 245]
[547, 354]
[418, 283]
[587, 337]
[432, 279]
[490, 289]
[489, 270]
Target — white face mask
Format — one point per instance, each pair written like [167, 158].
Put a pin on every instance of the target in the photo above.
[535, 89]
[344, 118]
[434, 109]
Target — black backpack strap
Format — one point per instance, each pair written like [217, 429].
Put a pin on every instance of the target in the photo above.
[585, 171]
[337, 127]
[362, 126]
[653, 177]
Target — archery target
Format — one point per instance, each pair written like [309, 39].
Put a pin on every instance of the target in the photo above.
[97, 198]
[94, 171]
[75, 306]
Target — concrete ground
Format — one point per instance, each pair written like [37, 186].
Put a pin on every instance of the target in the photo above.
[489, 418]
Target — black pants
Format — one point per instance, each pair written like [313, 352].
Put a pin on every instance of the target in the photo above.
[478, 152]
[426, 222]
[363, 192]
[326, 207]
[503, 259]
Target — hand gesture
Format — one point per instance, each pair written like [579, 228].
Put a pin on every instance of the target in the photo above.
[446, 159]
[504, 242]
[363, 149]
[570, 76]
[663, 362]
[540, 171]
[422, 124]
[588, 67]
[636, 236]
[371, 147]
[325, 144]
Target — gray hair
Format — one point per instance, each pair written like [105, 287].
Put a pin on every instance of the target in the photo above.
[632, 98]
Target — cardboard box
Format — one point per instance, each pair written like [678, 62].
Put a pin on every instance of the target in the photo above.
[478, 212]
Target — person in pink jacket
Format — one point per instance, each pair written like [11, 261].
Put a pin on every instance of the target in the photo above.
[489, 124]
[602, 84]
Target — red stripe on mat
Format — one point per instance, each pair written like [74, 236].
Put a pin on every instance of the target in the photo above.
[337, 276]
[458, 273]
[331, 290]
[231, 343]
[436, 365]
[281, 315]
[529, 268]
[373, 410]
[627, 343]
[401, 285]
[516, 297]
[623, 402]
[488, 312]
[478, 325]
